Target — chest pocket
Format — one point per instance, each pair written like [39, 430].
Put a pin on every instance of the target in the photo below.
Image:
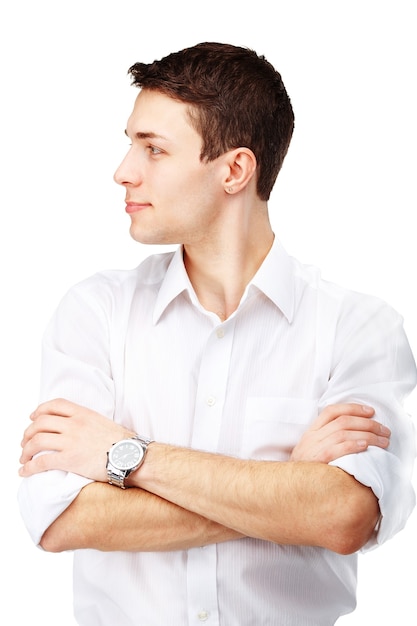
[273, 426]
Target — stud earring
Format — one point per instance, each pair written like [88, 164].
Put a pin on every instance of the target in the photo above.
[229, 190]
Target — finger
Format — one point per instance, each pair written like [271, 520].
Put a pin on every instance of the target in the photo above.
[363, 440]
[40, 443]
[354, 441]
[331, 412]
[354, 437]
[355, 445]
[45, 424]
[39, 463]
[346, 423]
[332, 449]
[58, 406]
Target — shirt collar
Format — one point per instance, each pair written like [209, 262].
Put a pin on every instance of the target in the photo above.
[275, 278]
[174, 282]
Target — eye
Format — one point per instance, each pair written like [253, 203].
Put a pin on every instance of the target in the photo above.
[154, 149]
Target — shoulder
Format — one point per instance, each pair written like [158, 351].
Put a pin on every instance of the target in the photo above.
[340, 311]
[346, 301]
[110, 289]
[151, 271]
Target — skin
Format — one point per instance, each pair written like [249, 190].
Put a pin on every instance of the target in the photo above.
[91, 520]
[214, 211]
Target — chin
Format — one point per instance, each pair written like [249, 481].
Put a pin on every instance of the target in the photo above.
[149, 238]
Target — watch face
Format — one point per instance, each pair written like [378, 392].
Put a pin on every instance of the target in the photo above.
[126, 454]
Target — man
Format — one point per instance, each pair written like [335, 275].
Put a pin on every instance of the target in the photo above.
[221, 430]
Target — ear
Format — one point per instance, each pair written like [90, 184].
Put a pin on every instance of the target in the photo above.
[241, 167]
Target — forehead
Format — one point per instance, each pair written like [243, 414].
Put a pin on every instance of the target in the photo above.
[156, 113]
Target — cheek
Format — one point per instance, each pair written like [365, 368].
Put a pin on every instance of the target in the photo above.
[205, 185]
[195, 189]
[171, 182]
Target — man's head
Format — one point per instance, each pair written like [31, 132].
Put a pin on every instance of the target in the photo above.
[236, 99]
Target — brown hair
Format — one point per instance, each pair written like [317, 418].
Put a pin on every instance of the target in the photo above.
[237, 99]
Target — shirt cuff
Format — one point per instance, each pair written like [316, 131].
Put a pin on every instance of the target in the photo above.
[43, 497]
[385, 475]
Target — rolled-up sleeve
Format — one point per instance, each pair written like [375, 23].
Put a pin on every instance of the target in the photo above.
[374, 365]
[75, 366]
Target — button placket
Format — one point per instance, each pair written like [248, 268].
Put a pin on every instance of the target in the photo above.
[212, 387]
[211, 391]
[203, 615]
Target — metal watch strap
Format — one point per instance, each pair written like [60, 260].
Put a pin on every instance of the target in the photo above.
[117, 477]
[142, 439]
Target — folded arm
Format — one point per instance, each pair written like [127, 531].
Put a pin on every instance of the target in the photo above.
[303, 501]
[106, 518]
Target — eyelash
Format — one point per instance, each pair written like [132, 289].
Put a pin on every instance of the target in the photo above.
[154, 150]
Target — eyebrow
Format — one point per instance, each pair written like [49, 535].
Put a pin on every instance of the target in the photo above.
[148, 135]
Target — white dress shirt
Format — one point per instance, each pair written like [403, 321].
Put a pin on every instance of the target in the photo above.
[138, 347]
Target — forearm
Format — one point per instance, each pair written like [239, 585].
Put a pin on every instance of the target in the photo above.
[290, 503]
[301, 502]
[106, 518]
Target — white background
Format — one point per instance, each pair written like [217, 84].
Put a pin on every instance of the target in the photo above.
[345, 199]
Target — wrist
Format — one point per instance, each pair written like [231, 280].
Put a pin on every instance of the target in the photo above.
[141, 477]
[124, 458]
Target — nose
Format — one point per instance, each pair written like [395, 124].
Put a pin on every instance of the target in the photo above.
[128, 172]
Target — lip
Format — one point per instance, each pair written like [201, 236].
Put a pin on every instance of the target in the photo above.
[134, 207]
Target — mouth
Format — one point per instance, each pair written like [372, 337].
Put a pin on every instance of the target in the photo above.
[134, 207]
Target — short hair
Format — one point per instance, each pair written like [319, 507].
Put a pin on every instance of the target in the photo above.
[236, 97]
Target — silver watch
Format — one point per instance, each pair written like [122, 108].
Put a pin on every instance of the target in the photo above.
[124, 457]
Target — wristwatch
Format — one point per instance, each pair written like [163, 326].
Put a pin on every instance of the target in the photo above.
[124, 457]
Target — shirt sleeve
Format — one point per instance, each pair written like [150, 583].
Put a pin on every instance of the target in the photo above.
[75, 366]
[374, 365]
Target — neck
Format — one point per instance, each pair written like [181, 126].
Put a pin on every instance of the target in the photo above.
[220, 268]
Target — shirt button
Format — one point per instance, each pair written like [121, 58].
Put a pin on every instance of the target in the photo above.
[211, 401]
[220, 333]
[203, 616]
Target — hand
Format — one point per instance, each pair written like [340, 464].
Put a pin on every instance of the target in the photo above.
[74, 438]
[340, 429]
